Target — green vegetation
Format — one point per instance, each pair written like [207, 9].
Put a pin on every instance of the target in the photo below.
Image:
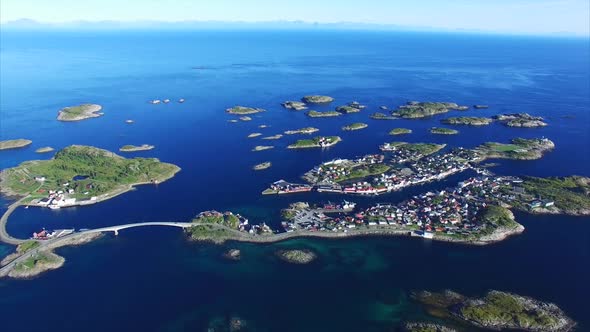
[570, 194]
[443, 131]
[400, 131]
[316, 99]
[467, 120]
[326, 114]
[519, 148]
[498, 216]
[346, 109]
[226, 219]
[209, 233]
[424, 149]
[508, 310]
[497, 311]
[355, 126]
[306, 130]
[104, 172]
[80, 112]
[382, 116]
[242, 110]
[365, 171]
[38, 260]
[14, 144]
[415, 110]
[316, 142]
[27, 245]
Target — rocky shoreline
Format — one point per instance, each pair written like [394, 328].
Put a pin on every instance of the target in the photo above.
[80, 112]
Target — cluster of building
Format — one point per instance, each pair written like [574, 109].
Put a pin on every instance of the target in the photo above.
[47, 235]
[56, 199]
[450, 211]
[340, 169]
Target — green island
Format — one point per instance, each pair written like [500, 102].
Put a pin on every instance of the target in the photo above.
[80, 112]
[316, 142]
[443, 131]
[496, 311]
[133, 148]
[523, 120]
[254, 135]
[243, 110]
[45, 149]
[467, 120]
[355, 126]
[326, 114]
[294, 105]
[262, 148]
[423, 149]
[426, 327]
[346, 109]
[262, 166]
[415, 110]
[14, 144]
[400, 131]
[85, 174]
[382, 116]
[317, 99]
[519, 148]
[306, 130]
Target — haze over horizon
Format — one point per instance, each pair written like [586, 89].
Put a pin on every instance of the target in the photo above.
[540, 17]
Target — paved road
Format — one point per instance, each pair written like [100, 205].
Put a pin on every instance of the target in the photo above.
[4, 236]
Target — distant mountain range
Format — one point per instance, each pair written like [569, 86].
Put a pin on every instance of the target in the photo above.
[28, 24]
[147, 24]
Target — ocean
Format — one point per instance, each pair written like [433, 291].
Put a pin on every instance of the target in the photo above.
[153, 279]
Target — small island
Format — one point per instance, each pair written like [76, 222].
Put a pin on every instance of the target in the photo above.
[45, 149]
[245, 118]
[294, 105]
[382, 116]
[262, 166]
[421, 149]
[14, 144]
[317, 99]
[296, 256]
[274, 137]
[254, 135]
[519, 148]
[262, 148]
[347, 109]
[80, 112]
[416, 110]
[523, 120]
[355, 126]
[467, 120]
[306, 130]
[134, 148]
[316, 142]
[326, 114]
[497, 311]
[443, 131]
[480, 107]
[399, 131]
[242, 110]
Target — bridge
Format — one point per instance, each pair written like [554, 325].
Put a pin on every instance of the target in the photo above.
[61, 241]
[117, 228]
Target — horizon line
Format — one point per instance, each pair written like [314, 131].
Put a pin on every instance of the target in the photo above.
[31, 24]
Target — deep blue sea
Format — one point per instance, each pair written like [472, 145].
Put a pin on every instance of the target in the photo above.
[155, 280]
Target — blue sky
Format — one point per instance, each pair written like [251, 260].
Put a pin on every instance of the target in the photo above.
[510, 16]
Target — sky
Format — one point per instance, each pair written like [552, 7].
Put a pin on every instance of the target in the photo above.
[503, 16]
